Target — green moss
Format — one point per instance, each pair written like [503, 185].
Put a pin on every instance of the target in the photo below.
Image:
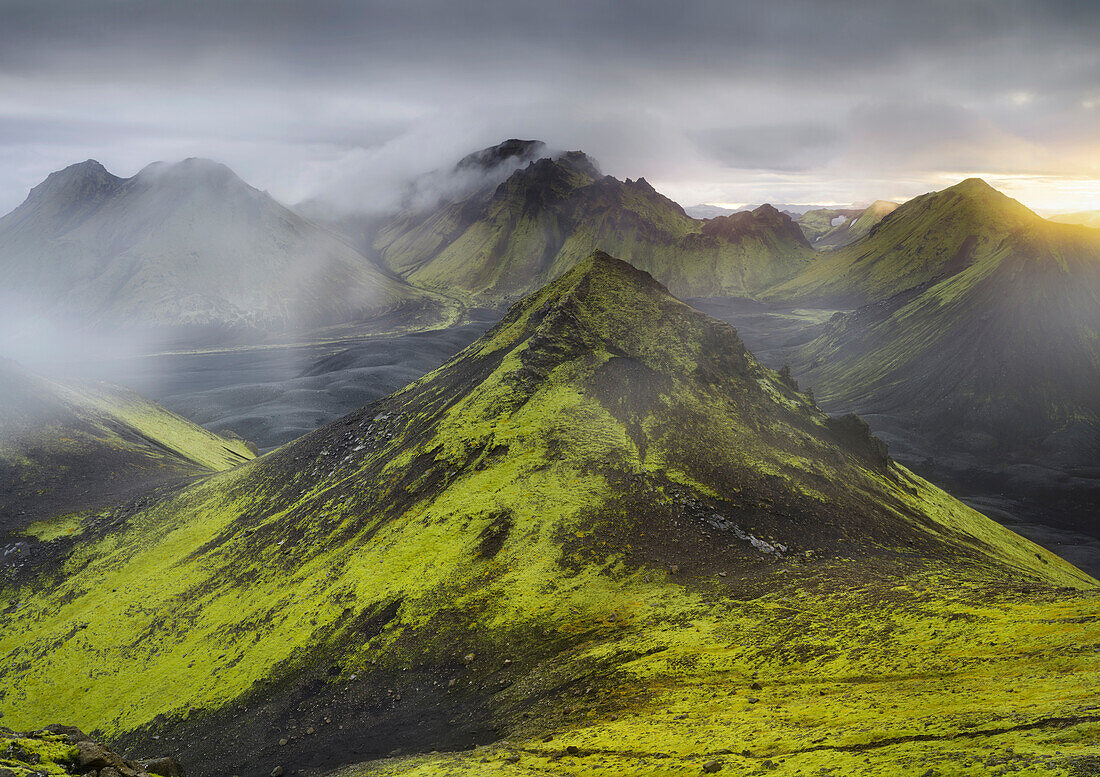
[44, 754]
[55, 528]
[520, 504]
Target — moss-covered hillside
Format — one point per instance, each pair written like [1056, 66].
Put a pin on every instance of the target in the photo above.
[928, 239]
[500, 244]
[999, 348]
[601, 538]
[69, 448]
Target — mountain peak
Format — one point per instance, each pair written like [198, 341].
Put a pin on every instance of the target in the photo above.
[191, 170]
[80, 182]
[580, 162]
[511, 150]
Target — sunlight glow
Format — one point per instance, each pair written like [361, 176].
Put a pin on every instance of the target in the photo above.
[1045, 195]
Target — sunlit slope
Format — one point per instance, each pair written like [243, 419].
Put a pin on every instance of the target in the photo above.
[1008, 346]
[188, 246]
[72, 447]
[605, 506]
[928, 239]
[500, 244]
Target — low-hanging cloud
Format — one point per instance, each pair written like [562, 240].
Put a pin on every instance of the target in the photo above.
[707, 98]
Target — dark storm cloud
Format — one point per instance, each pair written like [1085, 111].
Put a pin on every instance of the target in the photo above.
[301, 95]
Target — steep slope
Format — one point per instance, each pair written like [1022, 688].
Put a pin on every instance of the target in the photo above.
[68, 449]
[1000, 361]
[828, 228]
[499, 244]
[187, 245]
[927, 239]
[605, 505]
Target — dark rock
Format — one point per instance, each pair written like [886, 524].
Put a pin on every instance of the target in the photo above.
[757, 687]
[710, 767]
[71, 733]
[91, 755]
[277, 772]
[167, 767]
[752, 700]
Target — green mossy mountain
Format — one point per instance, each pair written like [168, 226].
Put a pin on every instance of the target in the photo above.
[500, 243]
[830, 228]
[68, 448]
[928, 239]
[989, 334]
[603, 533]
[189, 246]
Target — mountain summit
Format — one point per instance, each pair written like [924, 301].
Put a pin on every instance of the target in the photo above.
[501, 242]
[606, 486]
[927, 238]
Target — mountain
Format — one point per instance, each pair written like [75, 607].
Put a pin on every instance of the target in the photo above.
[704, 211]
[502, 242]
[828, 228]
[928, 239]
[187, 245]
[68, 448]
[602, 536]
[990, 346]
[1086, 218]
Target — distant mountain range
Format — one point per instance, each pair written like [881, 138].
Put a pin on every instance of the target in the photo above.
[603, 510]
[504, 240]
[828, 228]
[188, 246]
[1086, 218]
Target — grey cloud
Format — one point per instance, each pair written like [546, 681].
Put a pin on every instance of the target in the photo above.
[709, 94]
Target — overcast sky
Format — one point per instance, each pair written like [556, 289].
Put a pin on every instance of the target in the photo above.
[712, 101]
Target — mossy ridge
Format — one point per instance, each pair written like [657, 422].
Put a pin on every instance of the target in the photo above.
[1008, 346]
[928, 238]
[69, 448]
[361, 550]
[547, 217]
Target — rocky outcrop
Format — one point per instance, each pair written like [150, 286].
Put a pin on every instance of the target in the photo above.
[62, 750]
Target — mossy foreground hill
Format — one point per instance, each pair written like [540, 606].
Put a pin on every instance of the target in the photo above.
[67, 448]
[602, 539]
[497, 244]
[994, 352]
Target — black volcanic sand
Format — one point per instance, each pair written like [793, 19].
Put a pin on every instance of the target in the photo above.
[1047, 505]
[271, 395]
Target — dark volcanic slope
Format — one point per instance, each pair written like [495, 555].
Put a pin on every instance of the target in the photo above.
[605, 476]
[188, 245]
[501, 242]
[72, 448]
